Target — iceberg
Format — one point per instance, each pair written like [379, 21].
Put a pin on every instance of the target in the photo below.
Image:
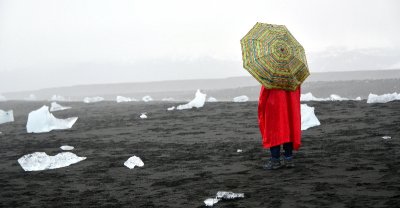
[171, 108]
[212, 99]
[133, 161]
[42, 120]
[57, 107]
[223, 195]
[2, 98]
[41, 161]
[57, 98]
[143, 116]
[6, 116]
[241, 99]
[121, 99]
[93, 99]
[308, 118]
[334, 97]
[67, 147]
[373, 98]
[210, 202]
[309, 97]
[147, 98]
[197, 102]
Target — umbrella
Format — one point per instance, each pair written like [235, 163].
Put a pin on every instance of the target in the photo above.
[274, 57]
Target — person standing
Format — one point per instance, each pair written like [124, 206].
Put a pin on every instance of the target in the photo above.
[279, 119]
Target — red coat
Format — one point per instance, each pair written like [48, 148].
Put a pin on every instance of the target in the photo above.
[279, 117]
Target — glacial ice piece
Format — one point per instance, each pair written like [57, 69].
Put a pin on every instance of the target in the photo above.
[212, 99]
[171, 108]
[143, 116]
[41, 161]
[229, 195]
[93, 99]
[57, 98]
[6, 116]
[308, 118]
[239, 151]
[168, 99]
[222, 195]
[386, 137]
[57, 107]
[358, 99]
[241, 99]
[2, 98]
[42, 120]
[67, 147]
[197, 102]
[147, 98]
[210, 202]
[121, 99]
[373, 98]
[133, 161]
[309, 97]
[334, 97]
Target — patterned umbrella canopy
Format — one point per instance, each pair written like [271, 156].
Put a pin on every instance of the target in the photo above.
[274, 57]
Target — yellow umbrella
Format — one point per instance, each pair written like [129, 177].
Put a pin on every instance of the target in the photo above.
[274, 57]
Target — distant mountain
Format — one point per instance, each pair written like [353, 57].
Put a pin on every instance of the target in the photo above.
[340, 59]
[351, 83]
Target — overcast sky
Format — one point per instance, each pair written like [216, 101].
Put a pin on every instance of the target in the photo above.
[47, 43]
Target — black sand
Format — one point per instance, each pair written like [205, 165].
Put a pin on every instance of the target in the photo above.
[190, 155]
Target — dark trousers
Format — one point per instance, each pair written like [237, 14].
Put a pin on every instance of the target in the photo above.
[276, 150]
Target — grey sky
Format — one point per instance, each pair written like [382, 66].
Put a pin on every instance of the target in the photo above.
[63, 37]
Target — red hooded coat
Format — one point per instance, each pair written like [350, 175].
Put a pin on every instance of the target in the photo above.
[279, 117]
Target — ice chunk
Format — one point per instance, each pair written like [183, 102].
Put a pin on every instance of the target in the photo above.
[372, 98]
[93, 99]
[42, 120]
[309, 97]
[212, 99]
[358, 99]
[57, 107]
[147, 98]
[229, 195]
[171, 108]
[240, 99]
[210, 202]
[143, 116]
[121, 99]
[334, 97]
[57, 98]
[2, 98]
[168, 99]
[308, 118]
[133, 161]
[6, 116]
[386, 137]
[239, 150]
[41, 161]
[197, 102]
[223, 195]
[66, 147]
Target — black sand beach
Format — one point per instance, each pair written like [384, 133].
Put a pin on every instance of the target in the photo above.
[190, 155]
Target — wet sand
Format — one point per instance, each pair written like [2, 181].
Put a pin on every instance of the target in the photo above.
[190, 155]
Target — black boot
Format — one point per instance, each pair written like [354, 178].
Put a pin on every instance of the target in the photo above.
[273, 164]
